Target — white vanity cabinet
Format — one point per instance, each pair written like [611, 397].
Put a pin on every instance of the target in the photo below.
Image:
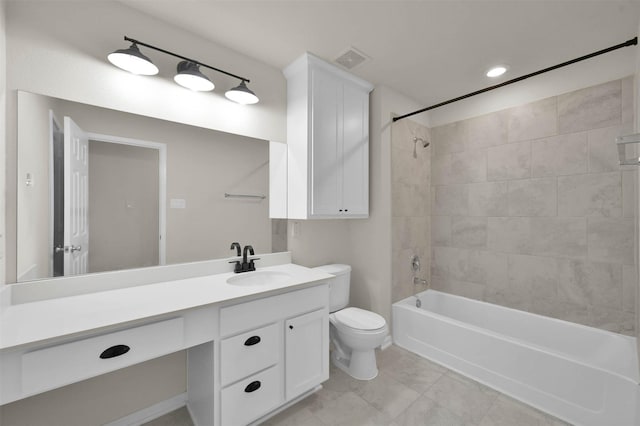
[327, 141]
[272, 350]
[252, 349]
[306, 351]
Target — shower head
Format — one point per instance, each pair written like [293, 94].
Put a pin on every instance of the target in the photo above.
[422, 141]
[415, 143]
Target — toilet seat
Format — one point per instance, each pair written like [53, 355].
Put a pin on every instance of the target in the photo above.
[359, 319]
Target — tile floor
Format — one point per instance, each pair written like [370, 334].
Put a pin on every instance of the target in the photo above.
[409, 391]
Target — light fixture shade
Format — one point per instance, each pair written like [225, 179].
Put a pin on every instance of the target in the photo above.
[190, 77]
[133, 60]
[241, 94]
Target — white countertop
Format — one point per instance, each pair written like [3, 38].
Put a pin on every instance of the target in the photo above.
[28, 323]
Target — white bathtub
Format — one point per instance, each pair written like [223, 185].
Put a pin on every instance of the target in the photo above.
[583, 375]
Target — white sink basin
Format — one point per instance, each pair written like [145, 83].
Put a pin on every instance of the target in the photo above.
[259, 278]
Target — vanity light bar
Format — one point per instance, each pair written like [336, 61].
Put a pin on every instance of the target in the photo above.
[241, 93]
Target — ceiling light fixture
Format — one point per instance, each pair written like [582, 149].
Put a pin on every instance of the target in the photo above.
[133, 60]
[188, 75]
[241, 94]
[497, 71]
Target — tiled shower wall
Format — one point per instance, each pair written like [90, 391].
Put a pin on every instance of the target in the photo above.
[410, 206]
[531, 210]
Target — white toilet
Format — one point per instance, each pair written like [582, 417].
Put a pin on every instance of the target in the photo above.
[354, 332]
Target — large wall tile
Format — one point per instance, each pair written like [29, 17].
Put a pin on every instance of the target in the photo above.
[507, 297]
[533, 197]
[590, 108]
[487, 130]
[410, 200]
[460, 288]
[449, 138]
[559, 236]
[613, 320]
[509, 234]
[469, 166]
[511, 161]
[441, 230]
[466, 265]
[450, 200]
[488, 199]
[532, 121]
[407, 169]
[598, 194]
[560, 309]
[627, 100]
[559, 155]
[533, 276]
[469, 232]
[537, 235]
[611, 240]
[603, 151]
[590, 283]
[629, 191]
[441, 170]
[495, 266]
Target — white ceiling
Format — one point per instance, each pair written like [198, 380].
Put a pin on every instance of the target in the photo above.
[427, 50]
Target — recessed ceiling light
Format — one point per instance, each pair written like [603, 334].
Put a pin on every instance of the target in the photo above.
[497, 71]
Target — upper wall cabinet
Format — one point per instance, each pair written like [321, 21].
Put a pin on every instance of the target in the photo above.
[327, 141]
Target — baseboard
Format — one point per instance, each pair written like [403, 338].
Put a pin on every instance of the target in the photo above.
[153, 412]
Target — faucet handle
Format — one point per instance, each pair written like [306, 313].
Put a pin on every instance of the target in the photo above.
[252, 266]
[237, 268]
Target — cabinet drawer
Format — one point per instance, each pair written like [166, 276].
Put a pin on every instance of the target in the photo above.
[56, 366]
[249, 315]
[252, 398]
[249, 352]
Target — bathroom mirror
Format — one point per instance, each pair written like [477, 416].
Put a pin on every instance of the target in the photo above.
[101, 190]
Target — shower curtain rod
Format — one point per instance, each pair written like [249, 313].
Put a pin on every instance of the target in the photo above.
[631, 42]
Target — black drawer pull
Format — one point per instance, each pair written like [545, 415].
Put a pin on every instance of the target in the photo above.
[114, 351]
[253, 340]
[253, 386]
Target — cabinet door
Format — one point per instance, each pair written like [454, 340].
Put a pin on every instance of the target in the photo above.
[355, 149]
[326, 158]
[306, 352]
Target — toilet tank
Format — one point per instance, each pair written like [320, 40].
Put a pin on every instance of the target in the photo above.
[338, 286]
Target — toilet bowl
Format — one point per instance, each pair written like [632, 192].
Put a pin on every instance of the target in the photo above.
[354, 332]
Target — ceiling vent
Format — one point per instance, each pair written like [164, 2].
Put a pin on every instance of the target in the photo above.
[351, 58]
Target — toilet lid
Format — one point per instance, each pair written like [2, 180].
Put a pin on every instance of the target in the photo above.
[360, 319]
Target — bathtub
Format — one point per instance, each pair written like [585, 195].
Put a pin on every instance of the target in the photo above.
[582, 375]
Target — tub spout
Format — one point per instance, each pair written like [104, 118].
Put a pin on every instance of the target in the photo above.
[419, 281]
